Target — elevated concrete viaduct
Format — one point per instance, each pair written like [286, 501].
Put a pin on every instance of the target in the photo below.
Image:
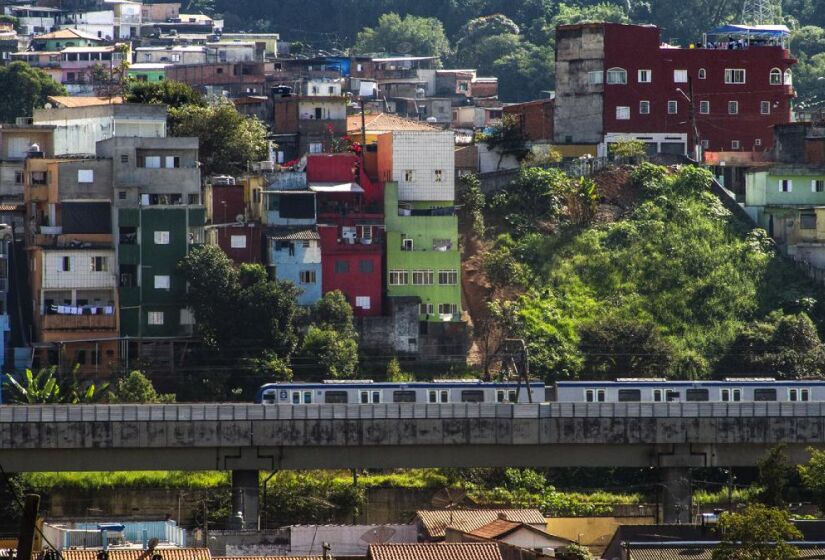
[246, 438]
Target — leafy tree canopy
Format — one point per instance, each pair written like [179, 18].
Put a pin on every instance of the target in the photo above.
[412, 35]
[329, 351]
[137, 388]
[228, 139]
[168, 92]
[24, 89]
[813, 477]
[759, 532]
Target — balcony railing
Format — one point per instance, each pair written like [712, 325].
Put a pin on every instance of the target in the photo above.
[79, 322]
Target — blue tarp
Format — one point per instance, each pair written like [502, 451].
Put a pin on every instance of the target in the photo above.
[758, 30]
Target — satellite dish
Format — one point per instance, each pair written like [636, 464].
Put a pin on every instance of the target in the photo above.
[48, 106]
[379, 535]
[448, 498]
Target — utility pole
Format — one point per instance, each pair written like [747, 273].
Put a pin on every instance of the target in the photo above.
[697, 142]
[25, 541]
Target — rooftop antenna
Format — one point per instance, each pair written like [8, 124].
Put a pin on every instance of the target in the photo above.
[761, 12]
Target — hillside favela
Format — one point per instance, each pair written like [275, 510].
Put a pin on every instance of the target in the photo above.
[412, 280]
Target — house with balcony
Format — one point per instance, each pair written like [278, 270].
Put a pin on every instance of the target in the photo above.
[62, 38]
[32, 20]
[158, 217]
[305, 124]
[47, 61]
[422, 253]
[293, 244]
[127, 18]
[99, 24]
[351, 229]
[77, 63]
[17, 142]
[71, 255]
[177, 54]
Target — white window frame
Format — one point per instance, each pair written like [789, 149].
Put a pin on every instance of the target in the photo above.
[438, 396]
[787, 77]
[407, 244]
[448, 274]
[703, 74]
[816, 184]
[307, 277]
[85, 176]
[617, 76]
[672, 107]
[595, 395]
[776, 77]
[315, 147]
[622, 113]
[704, 107]
[424, 276]
[757, 142]
[399, 277]
[409, 176]
[237, 241]
[163, 282]
[104, 263]
[762, 107]
[735, 144]
[425, 309]
[362, 302]
[680, 76]
[154, 318]
[785, 185]
[733, 107]
[161, 237]
[737, 76]
[152, 162]
[644, 107]
[438, 175]
[658, 395]
[644, 76]
[595, 77]
[451, 309]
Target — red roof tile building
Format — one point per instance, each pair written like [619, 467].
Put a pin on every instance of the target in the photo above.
[435, 551]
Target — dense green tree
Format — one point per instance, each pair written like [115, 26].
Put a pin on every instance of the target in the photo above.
[615, 347]
[535, 196]
[168, 92]
[397, 375]
[775, 473]
[137, 388]
[757, 533]
[333, 311]
[24, 89]
[813, 477]
[413, 35]
[332, 353]
[228, 139]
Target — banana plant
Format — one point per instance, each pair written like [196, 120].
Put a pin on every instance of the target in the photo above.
[45, 388]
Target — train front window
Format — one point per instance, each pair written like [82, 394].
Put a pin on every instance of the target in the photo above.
[472, 396]
[630, 395]
[403, 396]
[336, 397]
[693, 395]
[764, 395]
[268, 397]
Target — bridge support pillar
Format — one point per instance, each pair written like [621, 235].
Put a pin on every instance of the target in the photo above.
[244, 514]
[676, 495]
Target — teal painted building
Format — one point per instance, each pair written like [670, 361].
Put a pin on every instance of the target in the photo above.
[423, 258]
[148, 72]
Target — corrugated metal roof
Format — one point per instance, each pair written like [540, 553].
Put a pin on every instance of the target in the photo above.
[435, 551]
[435, 521]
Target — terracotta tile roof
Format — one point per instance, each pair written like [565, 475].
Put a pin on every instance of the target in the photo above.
[267, 557]
[68, 101]
[701, 551]
[67, 34]
[9, 207]
[435, 551]
[384, 122]
[467, 520]
[294, 235]
[497, 528]
[137, 554]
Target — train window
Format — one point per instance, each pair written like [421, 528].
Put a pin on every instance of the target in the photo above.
[764, 394]
[594, 395]
[511, 396]
[307, 397]
[376, 397]
[630, 395]
[434, 396]
[403, 396]
[729, 395]
[804, 395]
[793, 395]
[268, 397]
[365, 397]
[472, 396]
[296, 397]
[693, 395]
[657, 395]
[500, 395]
[799, 395]
[672, 395]
[336, 397]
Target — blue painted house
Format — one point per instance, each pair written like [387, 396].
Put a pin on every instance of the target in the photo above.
[294, 254]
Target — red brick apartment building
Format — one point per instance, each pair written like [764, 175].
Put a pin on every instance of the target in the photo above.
[620, 81]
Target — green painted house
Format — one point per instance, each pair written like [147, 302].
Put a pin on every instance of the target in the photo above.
[148, 71]
[423, 258]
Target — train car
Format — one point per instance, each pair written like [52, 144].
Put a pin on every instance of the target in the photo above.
[658, 390]
[366, 391]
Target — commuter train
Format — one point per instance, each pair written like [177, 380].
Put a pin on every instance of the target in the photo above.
[476, 391]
